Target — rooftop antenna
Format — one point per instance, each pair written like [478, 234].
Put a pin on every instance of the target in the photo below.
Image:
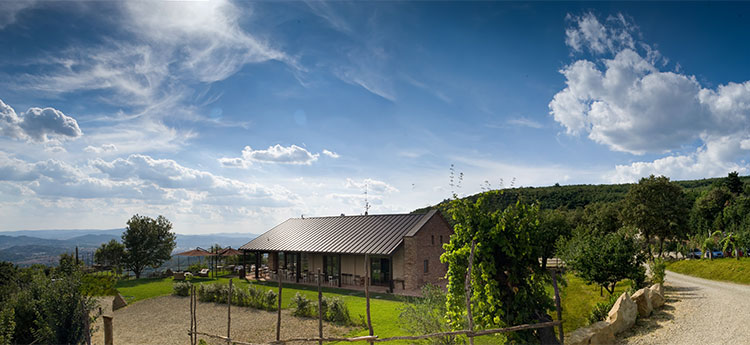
[367, 203]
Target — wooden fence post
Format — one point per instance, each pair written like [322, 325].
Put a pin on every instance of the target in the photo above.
[367, 294]
[192, 335]
[195, 315]
[467, 286]
[108, 336]
[320, 309]
[229, 313]
[278, 314]
[557, 305]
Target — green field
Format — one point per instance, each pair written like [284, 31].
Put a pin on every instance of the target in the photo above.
[577, 301]
[725, 269]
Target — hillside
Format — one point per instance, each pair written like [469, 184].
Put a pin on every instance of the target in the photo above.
[575, 196]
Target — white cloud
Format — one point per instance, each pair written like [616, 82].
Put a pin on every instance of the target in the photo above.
[276, 154]
[101, 149]
[37, 124]
[525, 122]
[373, 186]
[331, 154]
[629, 104]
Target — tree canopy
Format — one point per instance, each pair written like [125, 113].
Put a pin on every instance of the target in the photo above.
[110, 254]
[148, 242]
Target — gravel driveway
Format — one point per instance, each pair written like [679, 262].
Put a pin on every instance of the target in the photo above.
[698, 311]
[166, 320]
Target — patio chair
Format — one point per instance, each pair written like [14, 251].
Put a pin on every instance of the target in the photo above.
[179, 276]
[203, 272]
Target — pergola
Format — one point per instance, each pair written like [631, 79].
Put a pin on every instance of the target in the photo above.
[198, 251]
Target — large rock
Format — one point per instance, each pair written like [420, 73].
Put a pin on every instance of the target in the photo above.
[581, 336]
[622, 315]
[118, 302]
[643, 299]
[602, 333]
[656, 295]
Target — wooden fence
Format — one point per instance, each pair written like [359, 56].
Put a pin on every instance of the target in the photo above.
[371, 338]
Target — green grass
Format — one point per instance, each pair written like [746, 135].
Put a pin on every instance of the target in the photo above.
[578, 299]
[725, 269]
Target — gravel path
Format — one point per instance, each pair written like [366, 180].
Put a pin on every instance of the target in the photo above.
[166, 320]
[698, 311]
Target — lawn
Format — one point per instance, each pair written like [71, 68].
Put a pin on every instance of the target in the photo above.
[578, 299]
[725, 269]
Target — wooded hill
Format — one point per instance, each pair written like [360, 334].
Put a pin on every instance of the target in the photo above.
[575, 196]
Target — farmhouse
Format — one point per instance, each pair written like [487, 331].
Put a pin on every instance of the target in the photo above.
[403, 250]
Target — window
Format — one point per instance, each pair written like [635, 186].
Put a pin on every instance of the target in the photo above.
[426, 266]
[433, 240]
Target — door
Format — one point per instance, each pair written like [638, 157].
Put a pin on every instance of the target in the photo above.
[380, 270]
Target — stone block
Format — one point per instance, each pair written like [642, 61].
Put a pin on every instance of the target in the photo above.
[623, 313]
[642, 298]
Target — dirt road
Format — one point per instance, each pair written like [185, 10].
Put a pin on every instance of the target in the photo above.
[698, 311]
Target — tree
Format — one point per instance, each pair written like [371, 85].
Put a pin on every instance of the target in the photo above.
[656, 207]
[728, 241]
[604, 259]
[506, 278]
[148, 242]
[603, 217]
[552, 226]
[733, 183]
[708, 208]
[110, 254]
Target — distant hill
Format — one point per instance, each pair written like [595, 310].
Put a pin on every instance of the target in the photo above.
[26, 247]
[575, 196]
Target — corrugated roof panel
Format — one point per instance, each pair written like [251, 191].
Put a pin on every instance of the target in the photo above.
[371, 234]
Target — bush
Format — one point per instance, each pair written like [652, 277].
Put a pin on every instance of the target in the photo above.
[252, 296]
[181, 288]
[658, 270]
[302, 306]
[601, 310]
[426, 314]
[337, 311]
[196, 267]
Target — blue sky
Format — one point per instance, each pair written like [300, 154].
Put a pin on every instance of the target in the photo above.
[233, 116]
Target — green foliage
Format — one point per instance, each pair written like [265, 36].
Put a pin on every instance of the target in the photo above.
[426, 315]
[604, 259]
[601, 310]
[181, 288]
[202, 342]
[196, 267]
[148, 242]
[98, 285]
[110, 254]
[553, 225]
[658, 271]
[302, 306]
[67, 264]
[506, 279]
[7, 324]
[245, 297]
[733, 183]
[602, 218]
[657, 207]
[707, 209]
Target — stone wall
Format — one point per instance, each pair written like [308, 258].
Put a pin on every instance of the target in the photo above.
[426, 245]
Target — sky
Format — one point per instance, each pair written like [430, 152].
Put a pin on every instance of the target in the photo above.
[234, 116]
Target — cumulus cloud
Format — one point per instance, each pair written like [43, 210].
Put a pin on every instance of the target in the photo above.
[628, 103]
[37, 124]
[276, 154]
[373, 186]
[331, 154]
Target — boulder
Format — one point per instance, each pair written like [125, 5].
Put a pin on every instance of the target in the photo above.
[118, 302]
[656, 296]
[602, 333]
[622, 315]
[581, 336]
[643, 300]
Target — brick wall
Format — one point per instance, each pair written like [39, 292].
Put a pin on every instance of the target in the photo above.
[421, 247]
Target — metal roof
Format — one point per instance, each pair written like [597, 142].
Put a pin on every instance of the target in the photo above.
[371, 234]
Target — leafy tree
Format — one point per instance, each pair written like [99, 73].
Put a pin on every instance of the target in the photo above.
[708, 208]
[656, 207]
[733, 183]
[552, 226]
[506, 278]
[148, 242]
[603, 217]
[604, 259]
[110, 254]
[728, 241]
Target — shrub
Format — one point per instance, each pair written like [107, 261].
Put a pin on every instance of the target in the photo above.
[337, 311]
[270, 300]
[302, 306]
[181, 288]
[601, 310]
[658, 271]
[426, 314]
[251, 297]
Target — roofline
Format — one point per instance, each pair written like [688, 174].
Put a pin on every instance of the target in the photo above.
[337, 253]
[421, 223]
